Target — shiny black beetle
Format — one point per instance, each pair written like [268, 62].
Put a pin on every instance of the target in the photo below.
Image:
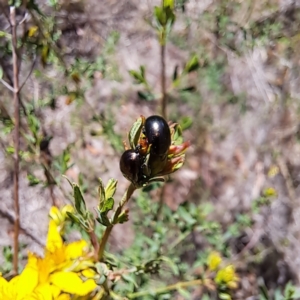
[130, 165]
[158, 134]
[138, 165]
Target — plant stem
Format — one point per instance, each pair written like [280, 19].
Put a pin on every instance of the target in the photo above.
[104, 241]
[108, 229]
[168, 288]
[16, 138]
[163, 77]
[95, 244]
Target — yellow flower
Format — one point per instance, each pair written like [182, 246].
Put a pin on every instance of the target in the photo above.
[213, 261]
[273, 171]
[270, 192]
[228, 277]
[32, 31]
[54, 276]
[22, 285]
[59, 216]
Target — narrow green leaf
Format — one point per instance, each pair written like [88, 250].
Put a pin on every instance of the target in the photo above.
[160, 16]
[79, 200]
[177, 135]
[142, 70]
[184, 293]
[192, 65]
[129, 278]
[110, 188]
[170, 17]
[175, 73]
[135, 132]
[64, 176]
[148, 96]
[224, 296]
[101, 194]
[137, 76]
[73, 217]
[1, 72]
[103, 219]
[191, 88]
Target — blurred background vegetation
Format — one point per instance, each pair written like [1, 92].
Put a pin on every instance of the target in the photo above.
[226, 70]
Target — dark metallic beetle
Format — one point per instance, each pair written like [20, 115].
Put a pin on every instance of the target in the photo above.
[138, 165]
[158, 134]
[130, 165]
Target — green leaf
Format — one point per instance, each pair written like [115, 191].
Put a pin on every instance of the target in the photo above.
[73, 217]
[1, 72]
[79, 200]
[171, 264]
[184, 293]
[170, 17]
[192, 65]
[103, 219]
[101, 194]
[32, 180]
[224, 296]
[10, 149]
[148, 96]
[142, 70]
[135, 132]
[169, 3]
[108, 205]
[186, 122]
[177, 135]
[123, 217]
[186, 216]
[160, 15]
[175, 73]
[110, 188]
[129, 278]
[191, 88]
[139, 77]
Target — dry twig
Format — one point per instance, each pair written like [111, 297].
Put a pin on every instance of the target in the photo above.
[17, 137]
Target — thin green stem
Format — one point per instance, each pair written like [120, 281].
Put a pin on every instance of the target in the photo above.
[108, 229]
[178, 285]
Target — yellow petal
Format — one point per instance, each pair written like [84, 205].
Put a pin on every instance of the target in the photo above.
[56, 215]
[5, 292]
[45, 267]
[55, 291]
[42, 292]
[11, 290]
[82, 265]
[214, 260]
[32, 30]
[54, 240]
[67, 208]
[88, 273]
[28, 279]
[70, 282]
[63, 297]
[76, 249]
